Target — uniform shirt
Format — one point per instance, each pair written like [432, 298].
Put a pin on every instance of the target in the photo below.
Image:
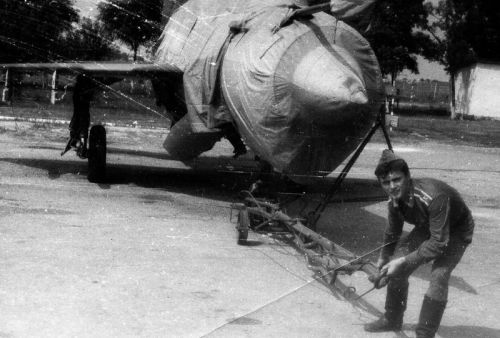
[435, 207]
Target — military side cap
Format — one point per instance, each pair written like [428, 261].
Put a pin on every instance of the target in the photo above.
[386, 161]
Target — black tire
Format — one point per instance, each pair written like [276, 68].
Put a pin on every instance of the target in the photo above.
[97, 154]
[243, 226]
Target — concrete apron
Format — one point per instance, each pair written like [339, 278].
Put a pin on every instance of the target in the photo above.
[85, 260]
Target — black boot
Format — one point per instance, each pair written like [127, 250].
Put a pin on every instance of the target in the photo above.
[395, 306]
[430, 317]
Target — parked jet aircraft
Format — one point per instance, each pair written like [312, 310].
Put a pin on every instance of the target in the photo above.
[300, 86]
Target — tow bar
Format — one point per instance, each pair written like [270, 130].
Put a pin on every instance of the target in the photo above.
[323, 256]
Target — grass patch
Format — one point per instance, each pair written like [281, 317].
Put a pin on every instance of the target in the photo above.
[422, 109]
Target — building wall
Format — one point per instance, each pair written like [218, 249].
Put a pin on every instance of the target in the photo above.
[477, 91]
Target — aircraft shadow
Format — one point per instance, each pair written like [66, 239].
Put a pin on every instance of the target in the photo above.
[210, 184]
[161, 155]
[346, 222]
[55, 169]
[110, 150]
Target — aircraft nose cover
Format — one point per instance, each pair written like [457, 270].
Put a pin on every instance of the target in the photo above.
[304, 97]
[321, 82]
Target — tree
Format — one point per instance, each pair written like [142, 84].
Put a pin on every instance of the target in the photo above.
[466, 31]
[134, 22]
[169, 7]
[396, 35]
[32, 30]
[90, 41]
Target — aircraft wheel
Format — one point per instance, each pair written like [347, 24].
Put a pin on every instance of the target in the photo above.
[97, 154]
[243, 226]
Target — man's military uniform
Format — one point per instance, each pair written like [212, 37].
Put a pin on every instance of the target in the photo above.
[443, 229]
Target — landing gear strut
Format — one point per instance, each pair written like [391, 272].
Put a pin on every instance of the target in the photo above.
[83, 91]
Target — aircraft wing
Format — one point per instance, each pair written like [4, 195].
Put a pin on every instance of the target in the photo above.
[99, 69]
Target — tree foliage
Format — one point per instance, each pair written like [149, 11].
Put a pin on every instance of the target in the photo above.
[466, 31]
[169, 7]
[396, 36]
[134, 22]
[32, 30]
[90, 41]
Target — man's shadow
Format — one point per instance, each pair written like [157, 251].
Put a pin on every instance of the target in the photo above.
[350, 222]
[359, 230]
[462, 331]
[456, 282]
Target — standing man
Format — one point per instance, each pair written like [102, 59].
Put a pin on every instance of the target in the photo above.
[443, 230]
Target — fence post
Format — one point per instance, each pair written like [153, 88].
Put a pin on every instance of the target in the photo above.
[53, 88]
[7, 89]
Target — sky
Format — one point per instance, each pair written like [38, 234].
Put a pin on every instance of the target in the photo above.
[428, 70]
[87, 7]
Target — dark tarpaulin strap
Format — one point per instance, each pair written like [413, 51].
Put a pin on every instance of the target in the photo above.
[354, 12]
[208, 90]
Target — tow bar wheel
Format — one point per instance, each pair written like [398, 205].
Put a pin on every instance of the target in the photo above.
[97, 154]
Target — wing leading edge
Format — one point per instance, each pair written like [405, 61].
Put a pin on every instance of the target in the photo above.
[90, 76]
[98, 69]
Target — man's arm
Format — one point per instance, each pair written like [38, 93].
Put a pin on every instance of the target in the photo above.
[392, 232]
[439, 228]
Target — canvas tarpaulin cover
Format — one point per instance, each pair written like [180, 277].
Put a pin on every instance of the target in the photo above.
[350, 9]
[259, 76]
[194, 40]
[248, 59]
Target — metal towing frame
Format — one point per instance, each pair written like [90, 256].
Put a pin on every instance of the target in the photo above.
[326, 258]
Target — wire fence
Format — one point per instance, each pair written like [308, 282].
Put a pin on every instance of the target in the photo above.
[430, 92]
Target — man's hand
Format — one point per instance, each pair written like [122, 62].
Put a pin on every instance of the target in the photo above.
[382, 261]
[393, 267]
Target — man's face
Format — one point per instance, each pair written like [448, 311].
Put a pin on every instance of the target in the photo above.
[396, 184]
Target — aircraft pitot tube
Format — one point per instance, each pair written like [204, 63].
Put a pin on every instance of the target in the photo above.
[302, 96]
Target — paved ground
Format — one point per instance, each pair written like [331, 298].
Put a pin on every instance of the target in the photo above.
[153, 253]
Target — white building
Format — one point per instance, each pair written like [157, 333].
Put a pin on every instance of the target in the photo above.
[477, 90]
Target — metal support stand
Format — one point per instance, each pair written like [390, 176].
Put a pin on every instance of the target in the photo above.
[379, 123]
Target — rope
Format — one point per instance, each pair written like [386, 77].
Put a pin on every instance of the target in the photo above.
[286, 294]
